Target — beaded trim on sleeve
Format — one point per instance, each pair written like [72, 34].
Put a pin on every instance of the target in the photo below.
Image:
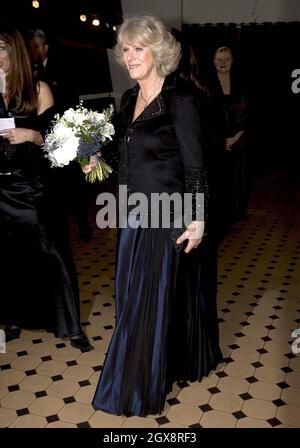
[196, 182]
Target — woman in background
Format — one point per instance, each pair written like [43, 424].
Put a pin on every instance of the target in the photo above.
[36, 288]
[230, 104]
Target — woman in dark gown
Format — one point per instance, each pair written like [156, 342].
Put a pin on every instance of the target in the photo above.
[38, 288]
[166, 321]
[228, 102]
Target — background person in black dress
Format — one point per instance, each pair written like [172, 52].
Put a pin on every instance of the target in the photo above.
[38, 286]
[230, 106]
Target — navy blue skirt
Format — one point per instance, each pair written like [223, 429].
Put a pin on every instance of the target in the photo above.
[166, 323]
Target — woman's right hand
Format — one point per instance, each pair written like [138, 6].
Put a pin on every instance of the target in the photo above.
[194, 234]
[16, 136]
[89, 167]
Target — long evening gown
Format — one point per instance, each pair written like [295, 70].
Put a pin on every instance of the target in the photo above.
[236, 159]
[166, 321]
[38, 290]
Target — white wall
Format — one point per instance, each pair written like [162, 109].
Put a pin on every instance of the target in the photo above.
[119, 77]
[238, 11]
[167, 10]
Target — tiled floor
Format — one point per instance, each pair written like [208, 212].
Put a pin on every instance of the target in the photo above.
[44, 382]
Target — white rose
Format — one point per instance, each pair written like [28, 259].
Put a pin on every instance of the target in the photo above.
[67, 152]
[69, 114]
[95, 117]
[62, 131]
[108, 130]
[79, 119]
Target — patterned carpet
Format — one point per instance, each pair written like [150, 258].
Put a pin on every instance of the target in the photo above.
[44, 382]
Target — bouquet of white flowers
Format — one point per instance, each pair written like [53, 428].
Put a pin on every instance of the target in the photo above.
[78, 135]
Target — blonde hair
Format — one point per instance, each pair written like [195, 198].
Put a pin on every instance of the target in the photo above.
[148, 30]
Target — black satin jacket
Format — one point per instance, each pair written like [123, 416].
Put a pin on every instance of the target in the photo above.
[162, 150]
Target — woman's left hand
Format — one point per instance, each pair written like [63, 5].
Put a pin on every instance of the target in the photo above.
[17, 135]
[193, 233]
[230, 141]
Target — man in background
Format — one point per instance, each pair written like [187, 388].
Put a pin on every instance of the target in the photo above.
[44, 67]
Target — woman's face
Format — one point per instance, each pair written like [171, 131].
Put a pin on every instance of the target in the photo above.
[139, 61]
[223, 61]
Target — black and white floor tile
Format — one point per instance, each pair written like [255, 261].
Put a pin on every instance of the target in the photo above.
[44, 382]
